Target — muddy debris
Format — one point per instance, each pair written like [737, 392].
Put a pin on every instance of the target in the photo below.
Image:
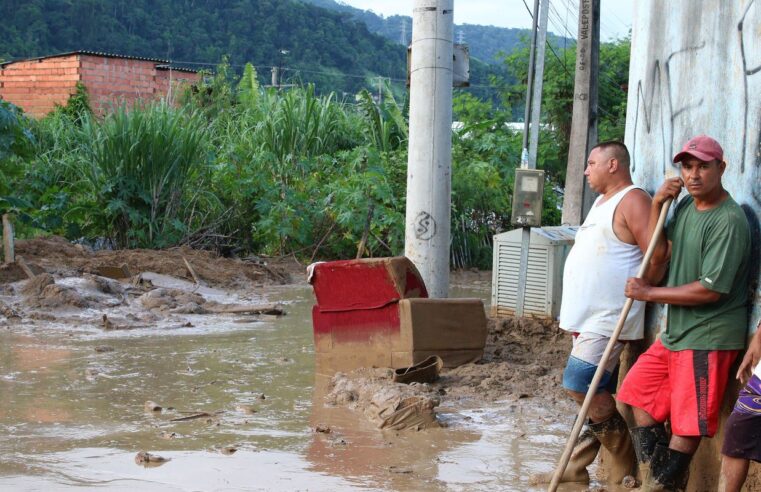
[9, 312]
[192, 416]
[151, 406]
[34, 286]
[246, 409]
[523, 358]
[148, 460]
[105, 285]
[57, 255]
[323, 429]
[388, 405]
[166, 299]
[42, 292]
[629, 482]
[168, 435]
[104, 348]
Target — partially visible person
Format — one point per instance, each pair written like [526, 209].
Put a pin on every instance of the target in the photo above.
[742, 436]
[682, 377]
[607, 250]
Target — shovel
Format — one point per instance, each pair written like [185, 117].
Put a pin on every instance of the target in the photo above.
[563, 463]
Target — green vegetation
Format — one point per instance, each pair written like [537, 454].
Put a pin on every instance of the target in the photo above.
[314, 44]
[242, 169]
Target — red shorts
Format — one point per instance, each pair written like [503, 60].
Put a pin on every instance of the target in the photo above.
[685, 387]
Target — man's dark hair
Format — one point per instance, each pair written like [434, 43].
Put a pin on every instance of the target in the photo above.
[618, 151]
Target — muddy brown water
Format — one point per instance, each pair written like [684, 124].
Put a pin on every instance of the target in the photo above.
[73, 417]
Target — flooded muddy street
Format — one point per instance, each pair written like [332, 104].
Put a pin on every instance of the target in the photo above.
[241, 409]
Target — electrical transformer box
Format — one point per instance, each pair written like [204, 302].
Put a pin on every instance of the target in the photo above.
[548, 250]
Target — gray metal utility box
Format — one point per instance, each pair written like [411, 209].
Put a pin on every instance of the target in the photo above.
[548, 250]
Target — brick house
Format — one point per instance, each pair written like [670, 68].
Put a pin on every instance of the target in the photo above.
[36, 85]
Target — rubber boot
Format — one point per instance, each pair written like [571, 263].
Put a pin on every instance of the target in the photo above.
[645, 439]
[669, 470]
[583, 454]
[614, 435]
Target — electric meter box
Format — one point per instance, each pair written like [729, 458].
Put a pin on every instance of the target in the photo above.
[528, 192]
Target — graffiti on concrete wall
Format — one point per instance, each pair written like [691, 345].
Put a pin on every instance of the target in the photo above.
[660, 108]
[660, 82]
[748, 71]
[699, 70]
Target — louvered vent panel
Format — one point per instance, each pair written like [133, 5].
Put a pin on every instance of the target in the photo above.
[537, 296]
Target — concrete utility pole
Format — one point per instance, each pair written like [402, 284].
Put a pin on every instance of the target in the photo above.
[531, 128]
[429, 166]
[579, 197]
[275, 77]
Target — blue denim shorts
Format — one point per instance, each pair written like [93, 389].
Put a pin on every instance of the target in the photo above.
[586, 354]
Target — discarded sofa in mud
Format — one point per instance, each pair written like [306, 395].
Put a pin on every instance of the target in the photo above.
[376, 312]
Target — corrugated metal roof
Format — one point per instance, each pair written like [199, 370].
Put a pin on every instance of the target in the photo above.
[91, 53]
[176, 68]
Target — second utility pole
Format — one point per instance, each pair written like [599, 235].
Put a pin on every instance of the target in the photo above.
[578, 196]
[532, 119]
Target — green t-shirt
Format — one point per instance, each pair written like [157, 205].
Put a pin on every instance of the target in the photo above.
[713, 247]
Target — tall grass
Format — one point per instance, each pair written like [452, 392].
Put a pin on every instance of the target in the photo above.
[144, 169]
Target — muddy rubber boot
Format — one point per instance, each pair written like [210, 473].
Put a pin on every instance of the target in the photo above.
[669, 471]
[645, 439]
[583, 454]
[614, 435]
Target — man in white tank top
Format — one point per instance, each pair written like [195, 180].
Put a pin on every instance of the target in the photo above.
[608, 249]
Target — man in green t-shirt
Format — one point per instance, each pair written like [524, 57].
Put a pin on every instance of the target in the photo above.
[682, 376]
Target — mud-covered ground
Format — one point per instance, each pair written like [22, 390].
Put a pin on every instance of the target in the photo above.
[59, 257]
[523, 358]
[214, 344]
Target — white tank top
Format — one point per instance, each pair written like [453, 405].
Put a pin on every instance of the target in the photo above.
[595, 275]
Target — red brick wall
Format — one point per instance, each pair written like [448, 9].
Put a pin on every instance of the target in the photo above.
[36, 86]
[114, 81]
[179, 81]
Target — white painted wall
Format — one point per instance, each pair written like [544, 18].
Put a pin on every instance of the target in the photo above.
[696, 68]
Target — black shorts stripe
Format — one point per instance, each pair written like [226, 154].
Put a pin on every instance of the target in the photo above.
[700, 370]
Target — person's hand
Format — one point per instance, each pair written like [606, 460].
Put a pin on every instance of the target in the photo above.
[752, 356]
[670, 189]
[637, 289]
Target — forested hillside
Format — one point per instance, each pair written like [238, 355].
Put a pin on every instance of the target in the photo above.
[485, 42]
[313, 44]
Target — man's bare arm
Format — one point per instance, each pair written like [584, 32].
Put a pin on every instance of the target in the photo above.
[752, 357]
[635, 208]
[692, 294]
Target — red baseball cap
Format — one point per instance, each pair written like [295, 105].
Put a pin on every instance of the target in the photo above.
[702, 147]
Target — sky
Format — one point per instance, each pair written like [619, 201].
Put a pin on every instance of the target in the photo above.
[615, 16]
